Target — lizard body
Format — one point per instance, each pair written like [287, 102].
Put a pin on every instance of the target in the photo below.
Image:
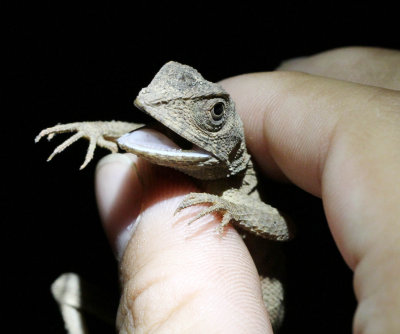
[201, 117]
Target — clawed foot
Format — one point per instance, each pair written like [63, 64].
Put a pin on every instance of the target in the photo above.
[218, 204]
[93, 131]
[100, 134]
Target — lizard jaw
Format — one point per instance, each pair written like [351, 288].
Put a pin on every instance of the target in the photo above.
[159, 149]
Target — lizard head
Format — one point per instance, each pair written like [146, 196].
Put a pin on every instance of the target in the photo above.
[206, 137]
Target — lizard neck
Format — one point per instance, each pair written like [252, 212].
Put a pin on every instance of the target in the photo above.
[244, 181]
[213, 169]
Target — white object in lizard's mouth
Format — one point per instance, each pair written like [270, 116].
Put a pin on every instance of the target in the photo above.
[153, 145]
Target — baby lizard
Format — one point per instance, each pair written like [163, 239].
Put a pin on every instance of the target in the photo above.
[206, 141]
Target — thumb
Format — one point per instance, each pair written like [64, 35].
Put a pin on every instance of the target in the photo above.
[175, 276]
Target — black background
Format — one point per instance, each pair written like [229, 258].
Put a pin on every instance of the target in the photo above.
[69, 61]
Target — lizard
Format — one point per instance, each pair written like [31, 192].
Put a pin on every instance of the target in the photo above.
[200, 134]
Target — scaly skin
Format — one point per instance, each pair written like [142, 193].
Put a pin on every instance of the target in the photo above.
[203, 114]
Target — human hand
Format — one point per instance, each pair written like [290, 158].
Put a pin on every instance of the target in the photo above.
[337, 139]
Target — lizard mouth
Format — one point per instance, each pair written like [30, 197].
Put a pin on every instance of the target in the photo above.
[159, 143]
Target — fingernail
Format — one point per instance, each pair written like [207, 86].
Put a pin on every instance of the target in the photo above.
[124, 237]
[119, 194]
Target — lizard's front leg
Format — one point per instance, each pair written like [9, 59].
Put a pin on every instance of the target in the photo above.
[250, 214]
[256, 217]
[101, 134]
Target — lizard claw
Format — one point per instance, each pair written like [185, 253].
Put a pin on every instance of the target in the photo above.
[59, 128]
[219, 205]
[95, 132]
[64, 145]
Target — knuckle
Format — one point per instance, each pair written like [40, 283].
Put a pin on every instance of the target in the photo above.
[138, 310]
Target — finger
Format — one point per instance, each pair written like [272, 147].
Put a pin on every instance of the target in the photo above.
[366, 65]
[116, 181]
[175, 277]
[340, 141]
[291, 119]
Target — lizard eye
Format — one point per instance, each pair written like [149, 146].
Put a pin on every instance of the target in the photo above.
[217, 112]
[211, 114]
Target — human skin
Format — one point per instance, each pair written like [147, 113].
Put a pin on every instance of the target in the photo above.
[334, 131]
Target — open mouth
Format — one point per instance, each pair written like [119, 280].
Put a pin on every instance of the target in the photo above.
[156, 141]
